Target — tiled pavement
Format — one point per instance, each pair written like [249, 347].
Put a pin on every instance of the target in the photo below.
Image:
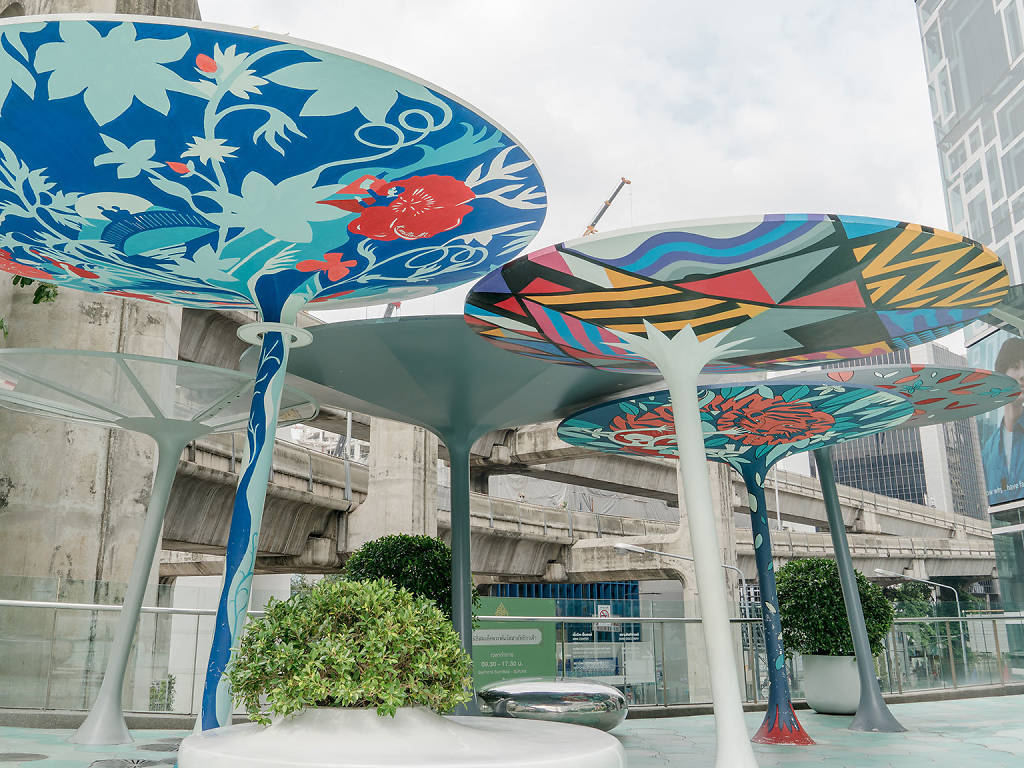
[969, 733]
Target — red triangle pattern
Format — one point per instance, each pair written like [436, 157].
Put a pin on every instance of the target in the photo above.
[540, 285]
[511, 305]
[735, 285]
[845, 295]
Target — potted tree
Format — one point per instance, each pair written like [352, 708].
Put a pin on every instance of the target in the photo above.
[348, 659]
[814, 624]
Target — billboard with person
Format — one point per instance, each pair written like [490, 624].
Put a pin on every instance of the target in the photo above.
[1001, 431]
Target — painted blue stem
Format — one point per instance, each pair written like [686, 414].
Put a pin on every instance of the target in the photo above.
[243, 536]
[780, 722]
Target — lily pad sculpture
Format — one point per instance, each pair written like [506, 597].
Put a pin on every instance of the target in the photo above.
[771, 291]
[209, 167]
[750, 427]
[173, 402]
[436, 373]
[938, 395]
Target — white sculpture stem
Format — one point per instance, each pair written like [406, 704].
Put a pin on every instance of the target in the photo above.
[680, 360]
[105, 723]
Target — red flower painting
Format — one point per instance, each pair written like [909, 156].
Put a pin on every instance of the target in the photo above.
[650, 433]
[757, 420]
[407, 209]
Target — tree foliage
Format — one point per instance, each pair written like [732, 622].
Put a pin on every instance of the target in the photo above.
[349, 644]
[421, 564]
[813, 613]
[45, 293]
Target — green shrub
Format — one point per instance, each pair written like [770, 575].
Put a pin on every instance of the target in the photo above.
[350, 644]
[161, 694]
[813, 613]
[421, 564]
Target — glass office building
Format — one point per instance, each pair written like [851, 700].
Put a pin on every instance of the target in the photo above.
[974, 57]
[937, 466]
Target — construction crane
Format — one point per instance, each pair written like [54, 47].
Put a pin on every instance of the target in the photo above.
[592, 227]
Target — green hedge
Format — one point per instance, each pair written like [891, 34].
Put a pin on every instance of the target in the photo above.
[350, 644]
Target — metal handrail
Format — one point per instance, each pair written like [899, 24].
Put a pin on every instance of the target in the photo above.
[109, 607]
[957, 620]
[613, 619]
[556, 619]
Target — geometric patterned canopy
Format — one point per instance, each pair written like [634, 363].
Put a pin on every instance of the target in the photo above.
[793, 290]
[143, 394]
[179, 162]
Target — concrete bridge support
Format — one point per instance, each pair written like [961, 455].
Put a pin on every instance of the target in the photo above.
[402, 492]
[73, 497]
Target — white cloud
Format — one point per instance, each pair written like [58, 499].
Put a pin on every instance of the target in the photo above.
[712, 109]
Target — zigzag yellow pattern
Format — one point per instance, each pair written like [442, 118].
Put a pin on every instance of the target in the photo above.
[938, 284]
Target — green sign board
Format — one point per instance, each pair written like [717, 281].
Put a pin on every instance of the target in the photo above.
[507, 650]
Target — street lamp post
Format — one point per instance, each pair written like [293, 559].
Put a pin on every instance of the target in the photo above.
[956, 596]
[622, 547]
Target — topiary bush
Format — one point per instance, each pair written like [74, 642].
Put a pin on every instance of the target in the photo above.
[813, 613]
[421, 564]
[350, 644]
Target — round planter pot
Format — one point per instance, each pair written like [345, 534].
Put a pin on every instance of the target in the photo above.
[831, 684]
[414, 738]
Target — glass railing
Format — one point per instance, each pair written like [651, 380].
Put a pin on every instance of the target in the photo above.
[52, 654]
[925, 653]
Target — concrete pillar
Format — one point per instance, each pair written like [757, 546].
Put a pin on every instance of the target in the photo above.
[73, 497]
[182, 9]
[402, 492]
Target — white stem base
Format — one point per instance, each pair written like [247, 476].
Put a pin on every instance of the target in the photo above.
[680, 359]
[414, 738]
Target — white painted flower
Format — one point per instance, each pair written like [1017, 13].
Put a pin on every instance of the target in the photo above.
[230, 70]
[208, 150]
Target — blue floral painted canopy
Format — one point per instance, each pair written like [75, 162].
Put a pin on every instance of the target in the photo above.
[211, 167]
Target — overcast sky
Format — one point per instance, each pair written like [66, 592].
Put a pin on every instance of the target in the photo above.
[712, 109]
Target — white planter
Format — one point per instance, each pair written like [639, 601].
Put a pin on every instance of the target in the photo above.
[414, 738]
[831, 684]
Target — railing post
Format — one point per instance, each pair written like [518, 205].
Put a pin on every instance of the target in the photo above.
[348, 456]
[999, 654]
[572, 533]
[49, 661]
[231, 462]
[949, 647]
[896, 661]
[195, 664]
[309, 457]
[664, 670]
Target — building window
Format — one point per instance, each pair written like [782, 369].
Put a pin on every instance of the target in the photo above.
[1014, 42]
[995, 176]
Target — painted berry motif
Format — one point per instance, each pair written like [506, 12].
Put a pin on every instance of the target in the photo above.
[647, 433]
[757, 420]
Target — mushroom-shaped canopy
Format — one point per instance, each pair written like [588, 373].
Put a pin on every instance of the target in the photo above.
[152, 395]
[788, 290]
[207, 166]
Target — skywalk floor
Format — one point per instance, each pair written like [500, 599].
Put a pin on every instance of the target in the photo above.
[969, 733]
